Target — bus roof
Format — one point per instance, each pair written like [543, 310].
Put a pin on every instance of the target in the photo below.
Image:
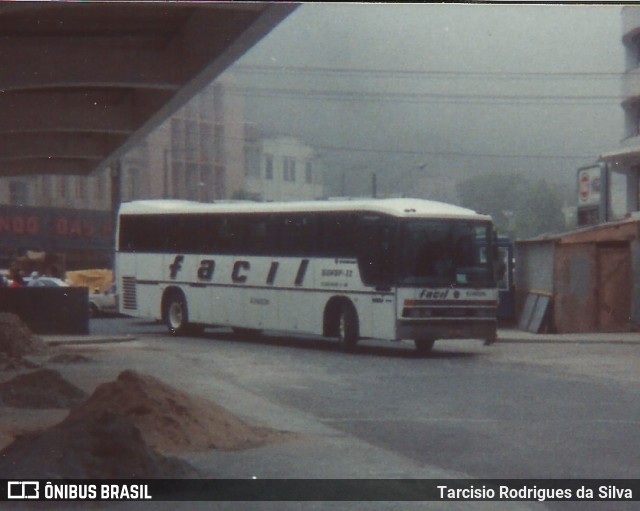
[403, 208]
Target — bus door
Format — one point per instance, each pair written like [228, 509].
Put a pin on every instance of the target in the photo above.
[376, 249]
[506, 287]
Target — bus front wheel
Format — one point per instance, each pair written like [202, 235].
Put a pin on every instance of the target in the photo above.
[424, 346]
[177, 314]
[348, 328]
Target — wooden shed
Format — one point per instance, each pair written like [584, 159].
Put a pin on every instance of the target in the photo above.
[592, 276]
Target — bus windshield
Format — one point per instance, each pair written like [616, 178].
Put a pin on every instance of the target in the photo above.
[445, 253]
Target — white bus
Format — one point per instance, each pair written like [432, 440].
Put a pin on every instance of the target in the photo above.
[351, 269]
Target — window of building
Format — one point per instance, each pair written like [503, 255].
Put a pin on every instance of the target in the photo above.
[289, 169]
[206, 105]
[218, 143]
[177, 179]
[192, 141]
[99, 187]
[62, 187]
[132, 186]
[632, 120]
[308, 172]
[268, 166]
[46, 187]
[220, 182]
[81, 187]
[634, 49]
[18, 193]
[192, 181]
[206, 172]
[206, 142]
[177, 139]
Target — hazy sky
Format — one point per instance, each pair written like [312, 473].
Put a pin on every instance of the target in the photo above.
[415, 90]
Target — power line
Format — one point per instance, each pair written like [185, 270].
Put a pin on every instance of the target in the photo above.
[421, 73]
[419, 97]
[455, 153]
[421, 152]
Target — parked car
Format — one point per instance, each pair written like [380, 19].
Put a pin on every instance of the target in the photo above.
[44, 282]
[101, 303]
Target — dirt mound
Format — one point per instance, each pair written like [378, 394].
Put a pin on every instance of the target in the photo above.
[106, 446]
[44, 388]
[16, 340]
[170, 420]
[16, 363]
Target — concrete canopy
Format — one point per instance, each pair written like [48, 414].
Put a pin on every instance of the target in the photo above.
[81, 83]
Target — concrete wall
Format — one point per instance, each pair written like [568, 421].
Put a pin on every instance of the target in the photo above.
[49, 310]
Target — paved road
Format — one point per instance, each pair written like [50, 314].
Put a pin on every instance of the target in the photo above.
[506, 411]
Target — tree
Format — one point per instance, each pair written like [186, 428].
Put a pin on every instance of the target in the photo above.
[494, 194]
[539, 211]
[519, 207]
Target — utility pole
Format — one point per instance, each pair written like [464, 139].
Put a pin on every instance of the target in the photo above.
[374, 185]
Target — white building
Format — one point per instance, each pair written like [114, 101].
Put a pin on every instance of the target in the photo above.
[282, 168]
[626, 159]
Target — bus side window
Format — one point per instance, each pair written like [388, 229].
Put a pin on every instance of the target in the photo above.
[336, 235]
[157, 233]
[127, 234]
[375, 242]
[296, 234]
[259, 239]
[224, 236]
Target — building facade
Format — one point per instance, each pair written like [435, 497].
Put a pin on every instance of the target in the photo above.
[282, 168]
[625, 160]
[196, 154]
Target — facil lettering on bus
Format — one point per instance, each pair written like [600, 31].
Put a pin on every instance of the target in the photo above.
[239, 273]
[434, 294]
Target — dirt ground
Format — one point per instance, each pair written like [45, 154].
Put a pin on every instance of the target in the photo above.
[135, 426]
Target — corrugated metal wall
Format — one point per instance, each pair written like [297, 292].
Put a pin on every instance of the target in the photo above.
[534, 269]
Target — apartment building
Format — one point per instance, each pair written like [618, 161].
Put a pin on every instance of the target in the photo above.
[626, 158]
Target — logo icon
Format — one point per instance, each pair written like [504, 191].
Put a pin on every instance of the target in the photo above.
[23, 490]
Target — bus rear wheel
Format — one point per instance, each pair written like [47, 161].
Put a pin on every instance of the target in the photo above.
[348, 328]
[424, 346]
[176, 314]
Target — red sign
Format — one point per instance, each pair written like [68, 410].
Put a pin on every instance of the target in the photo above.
[38, 228]
[589, 186]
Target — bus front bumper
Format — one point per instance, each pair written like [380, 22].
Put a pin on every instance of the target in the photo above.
[447, 329]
